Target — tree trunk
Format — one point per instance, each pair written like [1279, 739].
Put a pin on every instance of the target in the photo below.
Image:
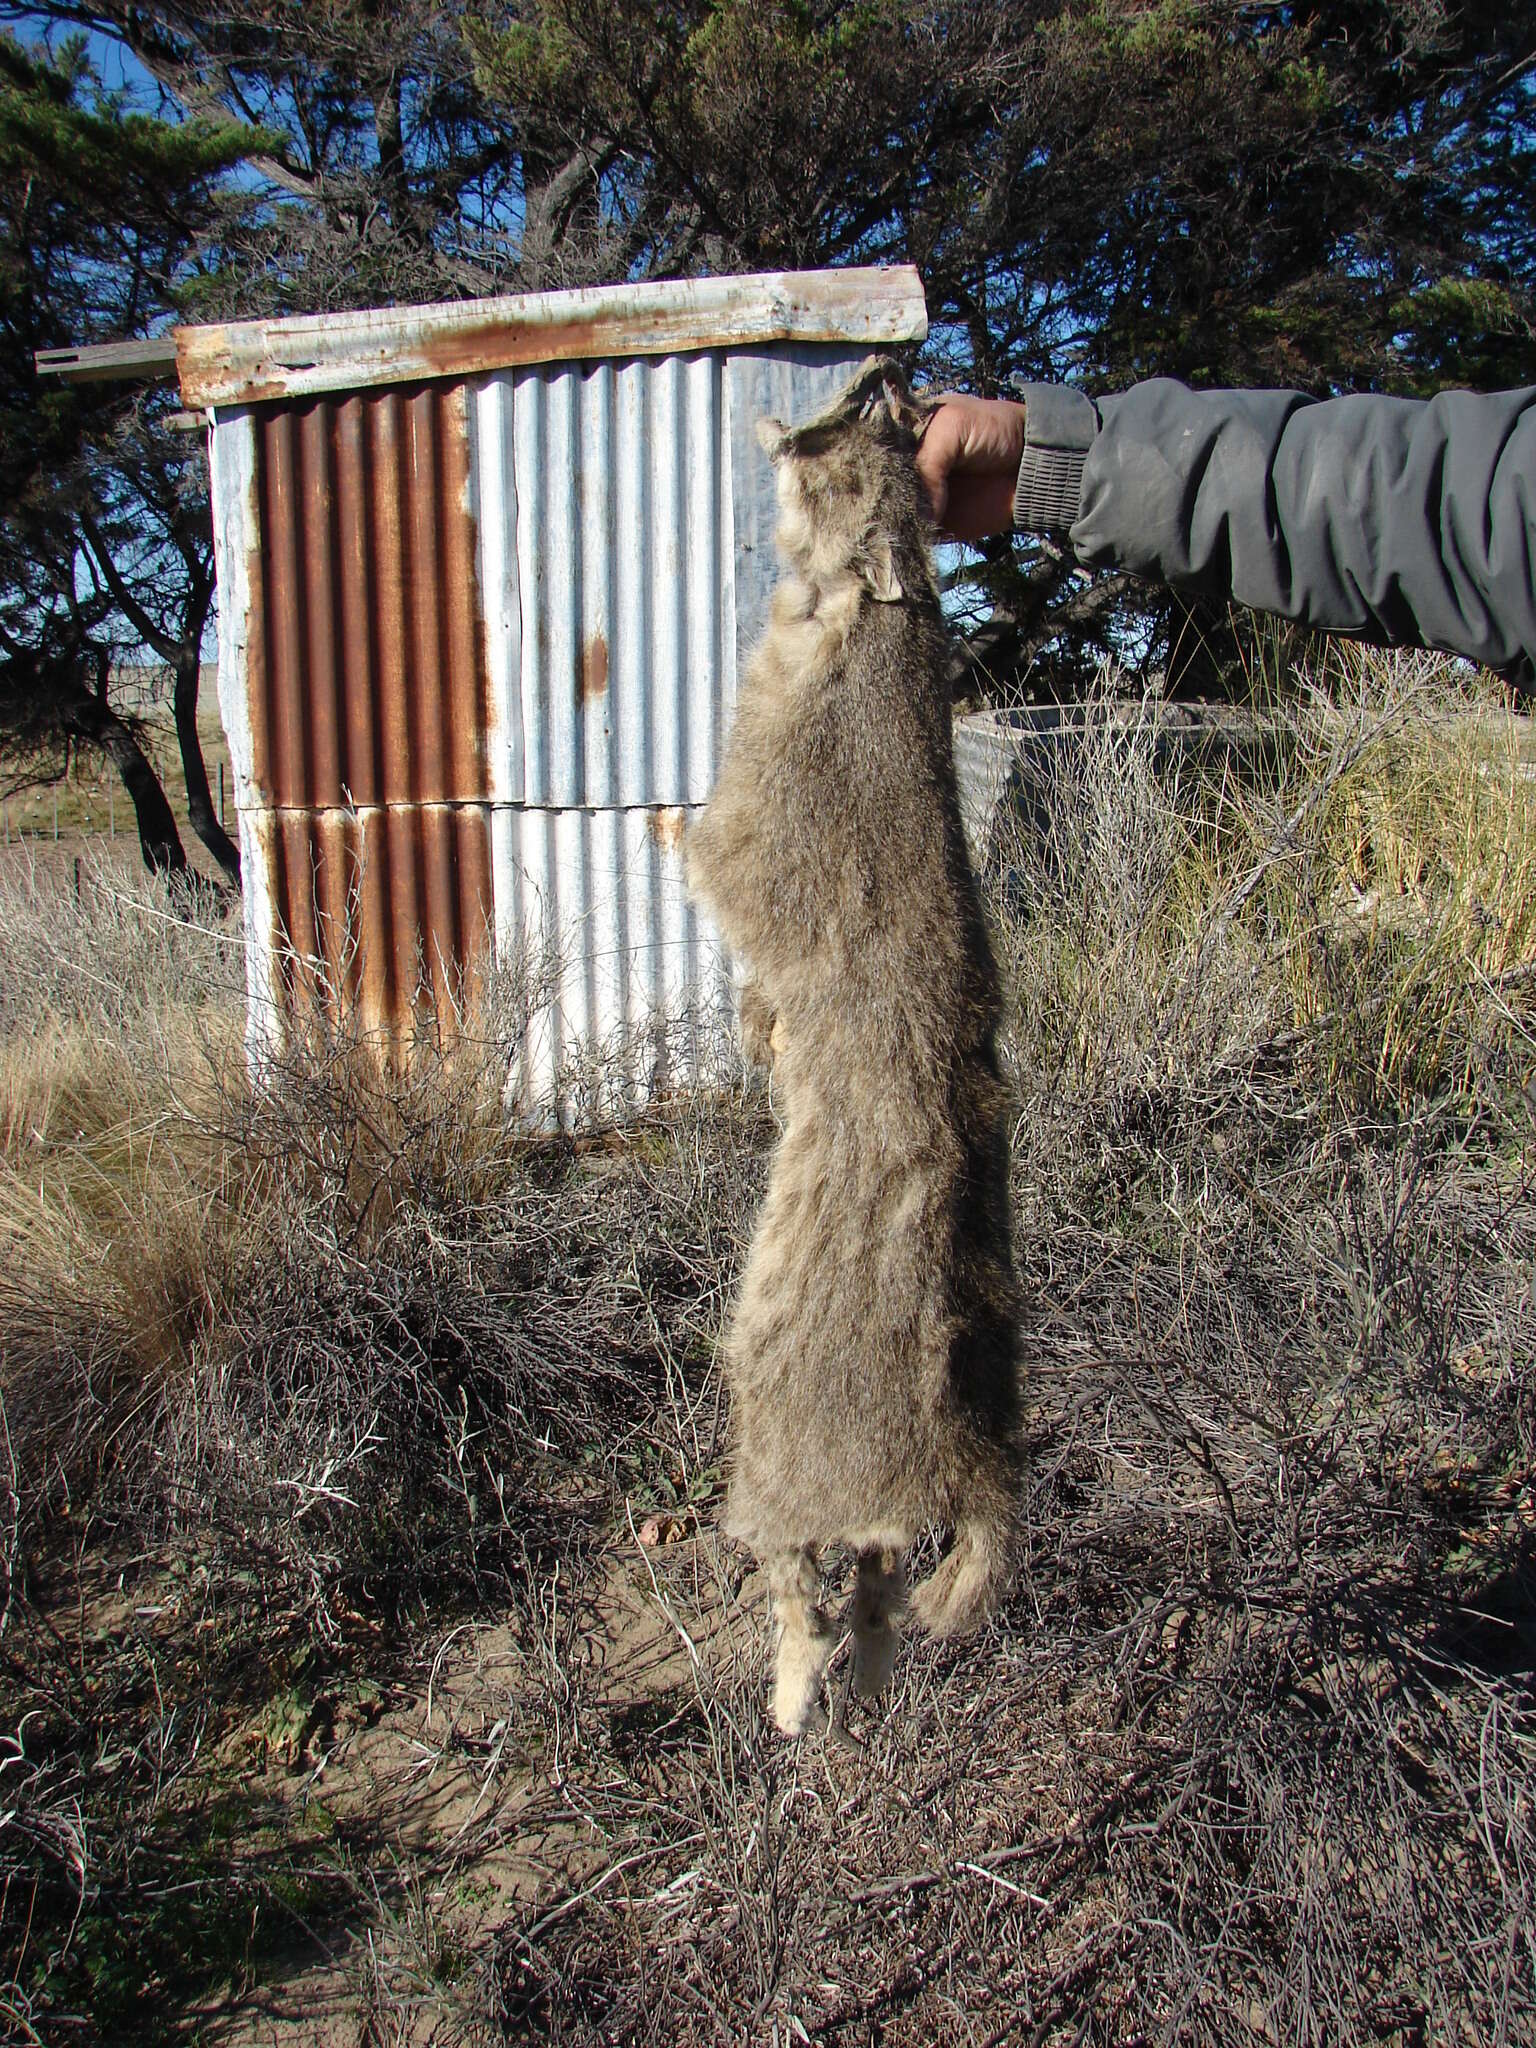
[200, 807]
[89, 718]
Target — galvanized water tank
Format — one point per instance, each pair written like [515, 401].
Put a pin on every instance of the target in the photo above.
[488, 574]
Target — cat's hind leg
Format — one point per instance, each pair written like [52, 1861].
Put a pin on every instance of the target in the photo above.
[804, 1640]
[879, 1594]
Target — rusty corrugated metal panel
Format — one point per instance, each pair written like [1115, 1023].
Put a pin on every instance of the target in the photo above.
[366, 675]
[250, 362]
[385, 911]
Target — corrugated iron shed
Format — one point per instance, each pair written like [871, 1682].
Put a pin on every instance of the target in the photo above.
[487, 576]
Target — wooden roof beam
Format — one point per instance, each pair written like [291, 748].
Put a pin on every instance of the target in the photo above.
[153, 360]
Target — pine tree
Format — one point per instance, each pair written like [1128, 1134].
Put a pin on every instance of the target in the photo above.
[104, 533]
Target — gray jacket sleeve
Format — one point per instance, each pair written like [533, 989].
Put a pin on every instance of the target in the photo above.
[1402, 521]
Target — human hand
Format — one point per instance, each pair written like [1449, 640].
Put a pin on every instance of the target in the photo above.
[968, 463]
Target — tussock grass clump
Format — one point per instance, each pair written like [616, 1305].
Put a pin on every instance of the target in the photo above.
[336, 1324]
[1362, 870]
[1274, 1171]
[452, 1337]
[121, 952]
[329, 1351]
[119, 1033]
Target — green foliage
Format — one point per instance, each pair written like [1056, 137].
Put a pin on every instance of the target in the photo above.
[234, 1883]
[1478, 322]
[522, 62]
[53, 126]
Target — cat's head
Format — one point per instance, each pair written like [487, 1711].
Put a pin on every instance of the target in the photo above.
[848, 493]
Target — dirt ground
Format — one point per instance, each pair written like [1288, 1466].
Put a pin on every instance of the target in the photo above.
[428, 1770]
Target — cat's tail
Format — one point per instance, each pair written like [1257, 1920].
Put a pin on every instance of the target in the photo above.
[971, 1577]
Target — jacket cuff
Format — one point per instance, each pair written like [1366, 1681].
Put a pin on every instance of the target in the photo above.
[1059, 426]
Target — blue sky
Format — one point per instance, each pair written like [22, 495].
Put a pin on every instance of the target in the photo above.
[118, 67]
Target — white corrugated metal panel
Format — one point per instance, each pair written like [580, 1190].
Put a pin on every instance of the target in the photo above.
[493, 489]
[236, 525]
[232, 492]
[643, 510]
[264, 1016]
[638, 987]
[622, 478]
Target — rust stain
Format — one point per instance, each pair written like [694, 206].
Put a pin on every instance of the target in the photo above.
[368, 674]
[592, 681]
[246, 362]
[495, 346]
[667, 827]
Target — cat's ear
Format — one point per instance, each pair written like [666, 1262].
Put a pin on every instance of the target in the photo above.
[909, 410]
[772, 437]
[876, 568]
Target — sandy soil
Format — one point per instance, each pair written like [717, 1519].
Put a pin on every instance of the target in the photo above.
[435, 1774]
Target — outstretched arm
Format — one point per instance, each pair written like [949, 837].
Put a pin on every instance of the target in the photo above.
[1406, 522]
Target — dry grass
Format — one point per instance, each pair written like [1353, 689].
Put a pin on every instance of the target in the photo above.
[295, 1365]
[89, 804]
[298, 1384]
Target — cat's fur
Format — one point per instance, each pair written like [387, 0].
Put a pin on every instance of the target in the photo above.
[872, 1357]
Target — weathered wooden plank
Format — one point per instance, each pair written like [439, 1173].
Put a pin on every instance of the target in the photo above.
[151, 359]
[246, 362]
